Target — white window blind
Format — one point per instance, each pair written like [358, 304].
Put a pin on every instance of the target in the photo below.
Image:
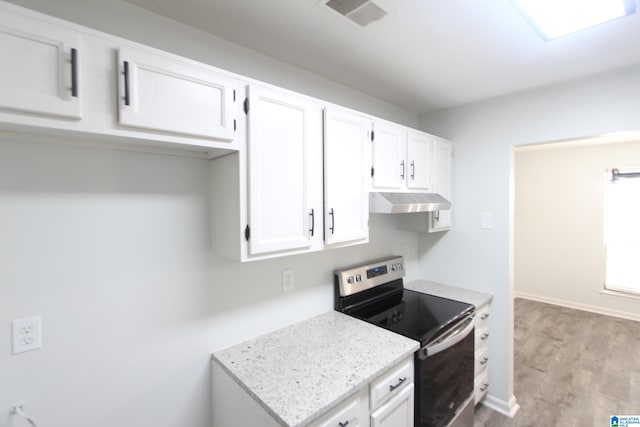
[622, 232]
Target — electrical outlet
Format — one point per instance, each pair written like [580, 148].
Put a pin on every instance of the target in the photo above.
[27, 334]
[288, 280]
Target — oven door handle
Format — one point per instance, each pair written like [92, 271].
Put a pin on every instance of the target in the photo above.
[449, 339]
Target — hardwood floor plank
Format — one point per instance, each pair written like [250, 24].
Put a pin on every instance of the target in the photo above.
[572, 368]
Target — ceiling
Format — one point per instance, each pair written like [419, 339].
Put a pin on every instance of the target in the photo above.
[424, 55]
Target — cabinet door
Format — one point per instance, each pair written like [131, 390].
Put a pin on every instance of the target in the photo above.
[347, 176]
[349, 413]
[283, 213]
[419, 148]
[164, 94]
[39, 71]
[398, 412]
[442, 181]
[389, 152]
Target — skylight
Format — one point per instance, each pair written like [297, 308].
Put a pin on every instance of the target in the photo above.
[557, 18]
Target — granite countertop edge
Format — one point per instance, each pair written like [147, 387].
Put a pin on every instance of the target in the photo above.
[224, 359]
[470, 296]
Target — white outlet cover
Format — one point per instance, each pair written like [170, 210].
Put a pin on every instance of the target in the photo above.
[27, 334]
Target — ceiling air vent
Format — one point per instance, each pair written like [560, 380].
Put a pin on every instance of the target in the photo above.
[361, 12]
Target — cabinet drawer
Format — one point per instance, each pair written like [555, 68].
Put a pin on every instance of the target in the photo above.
[397, 412]
[482, 317]
[482, 360]
[481, 384]
[348, 413]
[482, 337]
[390, 383]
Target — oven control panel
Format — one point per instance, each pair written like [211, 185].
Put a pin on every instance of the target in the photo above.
[359, 278]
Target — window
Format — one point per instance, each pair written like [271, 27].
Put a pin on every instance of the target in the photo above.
[622, 231]
[557, 18]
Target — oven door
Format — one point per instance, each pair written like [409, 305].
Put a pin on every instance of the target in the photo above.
[444, 376]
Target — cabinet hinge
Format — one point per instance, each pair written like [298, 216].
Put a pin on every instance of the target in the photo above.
[247, 233]
[372, 171]
[373, 135]
[246, 105]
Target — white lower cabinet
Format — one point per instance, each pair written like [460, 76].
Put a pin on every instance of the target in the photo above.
[397, 412]
[388, 401]
[391, 397]
[481, 371]
[354, 412]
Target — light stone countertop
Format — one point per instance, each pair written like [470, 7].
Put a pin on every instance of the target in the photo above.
[477, 298]
[302, 371]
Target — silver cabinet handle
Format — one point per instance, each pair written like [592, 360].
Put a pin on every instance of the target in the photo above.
[402, 173]
[484, 316]
[484, 360]
[484, 336]
[333, 219]
[413, 170]
[484, 386]
[344, 424]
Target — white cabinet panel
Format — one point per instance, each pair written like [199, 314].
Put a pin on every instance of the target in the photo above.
[441, 220]
[389, 152]
[285, 205]
[39, 71]
[390, 383]
[419, 149]
[347, 159]
[398, 412]
[353, 412]
[163, 94]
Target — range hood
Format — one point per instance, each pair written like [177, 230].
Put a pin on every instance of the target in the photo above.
[392, 203]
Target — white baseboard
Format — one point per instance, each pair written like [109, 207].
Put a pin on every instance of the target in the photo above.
[508, 409]
[578, 306]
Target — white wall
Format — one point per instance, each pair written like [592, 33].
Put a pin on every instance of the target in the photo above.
[559, 224]
[484, 134]
[112, 249]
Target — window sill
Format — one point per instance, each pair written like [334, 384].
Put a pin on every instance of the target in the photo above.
[627, 295]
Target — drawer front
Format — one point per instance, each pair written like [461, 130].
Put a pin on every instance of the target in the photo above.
[482, 317]
[482, 337]
[390, 383]
[481, 384]
[482, 360]
[348, 413]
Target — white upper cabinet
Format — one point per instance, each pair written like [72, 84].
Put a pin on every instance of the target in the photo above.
[419, 154]
[162, 94]
[389, 156]
[401, 158]
[285, 177]
[441, 220]
[347, 167]
[40, 69]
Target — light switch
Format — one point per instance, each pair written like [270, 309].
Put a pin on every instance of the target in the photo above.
[486, 220]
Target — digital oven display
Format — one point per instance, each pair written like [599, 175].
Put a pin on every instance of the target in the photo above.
[376, 271]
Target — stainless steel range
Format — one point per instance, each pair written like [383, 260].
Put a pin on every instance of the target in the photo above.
[374, 292]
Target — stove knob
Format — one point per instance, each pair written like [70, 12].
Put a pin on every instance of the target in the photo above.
[358, 277]
[400, 266]
[394, 318]
[401, 316]
[394, 267]
[350, 279]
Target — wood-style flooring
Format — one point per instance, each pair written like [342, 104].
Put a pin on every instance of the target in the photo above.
[572, 368]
